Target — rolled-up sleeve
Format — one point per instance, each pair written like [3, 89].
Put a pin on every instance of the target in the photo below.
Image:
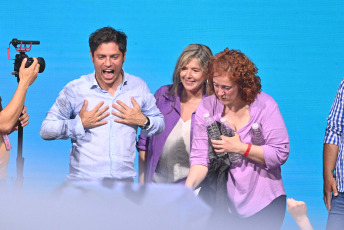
[200, 147]
[277, 146]
[142, 143]
[335, 120]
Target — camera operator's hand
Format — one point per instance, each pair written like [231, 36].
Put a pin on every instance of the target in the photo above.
[28, 75]
[23, 119]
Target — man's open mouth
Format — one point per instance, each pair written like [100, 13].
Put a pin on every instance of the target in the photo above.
[108, 71]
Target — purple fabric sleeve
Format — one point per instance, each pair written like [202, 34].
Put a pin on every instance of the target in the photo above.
[276, 149]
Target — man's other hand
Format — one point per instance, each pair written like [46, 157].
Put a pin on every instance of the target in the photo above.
[130, 116]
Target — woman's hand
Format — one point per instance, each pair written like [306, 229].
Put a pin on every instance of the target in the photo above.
[234, 145]
[228, 144]
[23, 120]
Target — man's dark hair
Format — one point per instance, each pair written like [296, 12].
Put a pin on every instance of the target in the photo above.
[105, 35]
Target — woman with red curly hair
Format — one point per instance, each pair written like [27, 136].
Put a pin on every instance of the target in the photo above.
[257, 198]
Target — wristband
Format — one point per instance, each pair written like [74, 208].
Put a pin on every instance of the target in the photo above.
[247, 150]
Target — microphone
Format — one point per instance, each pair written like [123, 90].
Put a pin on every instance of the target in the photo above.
[16, 42]
[24, 46]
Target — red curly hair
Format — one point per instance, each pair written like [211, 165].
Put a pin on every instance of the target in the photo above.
[241, 71]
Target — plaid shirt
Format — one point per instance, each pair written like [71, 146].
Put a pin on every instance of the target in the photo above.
[334, 133]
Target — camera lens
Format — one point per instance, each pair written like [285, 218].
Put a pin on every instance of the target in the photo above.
[41, 63]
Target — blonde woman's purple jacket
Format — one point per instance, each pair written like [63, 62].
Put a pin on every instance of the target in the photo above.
[154, 144]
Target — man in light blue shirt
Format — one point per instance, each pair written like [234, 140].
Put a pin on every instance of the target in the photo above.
[101, 112]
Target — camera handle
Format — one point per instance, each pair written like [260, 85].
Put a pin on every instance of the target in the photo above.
[20, 160]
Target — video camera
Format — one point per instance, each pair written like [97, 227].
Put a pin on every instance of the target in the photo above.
[20, 57]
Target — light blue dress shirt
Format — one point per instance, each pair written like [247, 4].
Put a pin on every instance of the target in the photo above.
[108, 150]
[334, 134]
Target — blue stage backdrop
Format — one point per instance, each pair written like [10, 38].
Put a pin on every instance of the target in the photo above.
[296, 45]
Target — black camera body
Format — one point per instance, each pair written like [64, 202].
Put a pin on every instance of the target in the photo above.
[19, 59]
[21, 56]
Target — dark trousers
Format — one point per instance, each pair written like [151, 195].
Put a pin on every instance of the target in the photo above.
[269, 218]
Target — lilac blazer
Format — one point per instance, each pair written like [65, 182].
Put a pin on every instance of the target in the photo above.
[154, 144]
[251, 186]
